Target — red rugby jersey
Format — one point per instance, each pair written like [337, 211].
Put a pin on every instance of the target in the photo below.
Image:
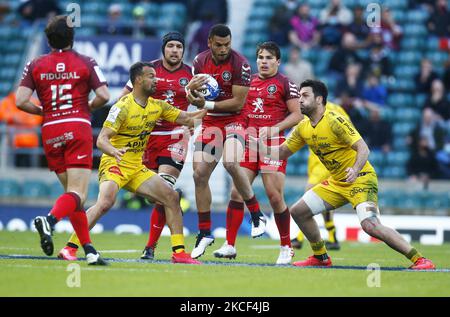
[63, 81]
[266, 100]
[170, 88]
[234, 71]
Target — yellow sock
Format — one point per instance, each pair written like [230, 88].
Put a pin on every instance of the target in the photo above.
[300, 236]
[329, 225]
[177, 243]
[319, 248]
[74, 239]
[414, 255]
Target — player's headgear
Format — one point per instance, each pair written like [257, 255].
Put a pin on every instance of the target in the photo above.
[172, 36]
[59, 33]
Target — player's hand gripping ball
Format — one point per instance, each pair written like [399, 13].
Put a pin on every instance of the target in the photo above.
[210, 89]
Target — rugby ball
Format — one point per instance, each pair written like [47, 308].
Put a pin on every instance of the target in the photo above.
[211, 89]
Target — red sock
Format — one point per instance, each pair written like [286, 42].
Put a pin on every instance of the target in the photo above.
[80, 225]
[235, 215]
[283, 222]
[66, 204]
[157, 222]
[204, 221]
[253, 205]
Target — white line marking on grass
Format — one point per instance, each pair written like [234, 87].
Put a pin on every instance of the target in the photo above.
[265, 247]
[334, 267]
[119, 251]
[30, 266]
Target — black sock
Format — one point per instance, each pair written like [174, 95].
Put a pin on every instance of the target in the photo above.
[255, 217]
[52, 221]
[88, 248]
[205, 232]
[322, 257]
[72, 245]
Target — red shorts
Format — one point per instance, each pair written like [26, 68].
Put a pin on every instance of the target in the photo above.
[216, 129]
[68, 145]
[254, 162]
[166, 149]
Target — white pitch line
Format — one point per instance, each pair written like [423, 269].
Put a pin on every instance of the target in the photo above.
[97, 268]
[265, 247]
[119, 251]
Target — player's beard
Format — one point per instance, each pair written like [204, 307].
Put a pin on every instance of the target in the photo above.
[307, 110]
[168, 61]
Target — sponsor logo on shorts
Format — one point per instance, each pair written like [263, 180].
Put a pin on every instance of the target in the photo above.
[61, 138]
[358, 190]
[79, 157]
[271, 162]
[325, 183]
[115, 170]
[234, 126]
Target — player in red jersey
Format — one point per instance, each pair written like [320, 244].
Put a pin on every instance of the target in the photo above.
[168, 144]
[63, 80]
[222, 130]
[272, 106]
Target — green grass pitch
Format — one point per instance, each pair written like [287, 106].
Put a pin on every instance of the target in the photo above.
[251, 274]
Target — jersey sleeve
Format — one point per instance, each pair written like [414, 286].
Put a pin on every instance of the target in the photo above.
[116, 117]
[242, 72]
[294, 141]
[96, 78]
[27, 76]
[344, 130]
[291, 90]
[196, 65]
[129, 86]
[342, 112]
[169, 113]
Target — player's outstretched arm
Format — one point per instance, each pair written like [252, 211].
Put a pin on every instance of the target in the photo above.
[104, 144]
[189, 118]
[23, 102]
[294, 117]
[362, 154]
[101, 98]
[278, 152]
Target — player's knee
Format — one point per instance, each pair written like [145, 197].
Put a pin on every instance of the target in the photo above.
[171, 199]
[105, 204]
[300, 211]
[370, 226]
[200, 178]
[231, 167]
[368, 214]
[275, 199]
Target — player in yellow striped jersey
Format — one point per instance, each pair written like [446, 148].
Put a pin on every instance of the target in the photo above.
[123, 140]
[353, 180]
[317, 173]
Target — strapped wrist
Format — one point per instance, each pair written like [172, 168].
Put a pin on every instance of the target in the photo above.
[209, 105]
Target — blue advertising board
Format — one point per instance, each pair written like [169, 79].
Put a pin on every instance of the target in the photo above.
[115, 54]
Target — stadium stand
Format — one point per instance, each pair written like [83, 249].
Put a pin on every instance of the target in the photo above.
[404, 105]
